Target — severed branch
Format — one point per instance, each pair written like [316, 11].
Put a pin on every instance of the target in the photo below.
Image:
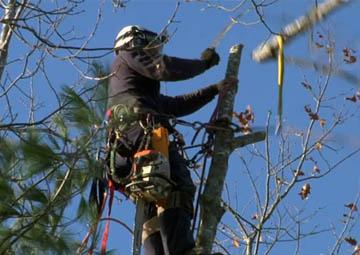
[268, 49]
[242, 141]
[212, 207]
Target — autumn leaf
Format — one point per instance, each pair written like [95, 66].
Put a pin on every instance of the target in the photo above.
[244, 118]
[346, 52]
[348, 56]
[318, 145]
[299, 173]
[351, 206]
[236, 243]
[255, 216]
[313, 116]
[316, 169]
[305, 191]
[322, 123]
[352, 99]
[351, 240]
[352, 59]
[306, 85]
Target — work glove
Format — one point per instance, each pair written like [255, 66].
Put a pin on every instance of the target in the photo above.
[210, 57]
[226, 82]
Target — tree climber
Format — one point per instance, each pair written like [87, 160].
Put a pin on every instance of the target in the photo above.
[134, 95]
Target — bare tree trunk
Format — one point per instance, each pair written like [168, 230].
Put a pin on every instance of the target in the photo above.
[268, 49]
[211, 208]
[6, 33]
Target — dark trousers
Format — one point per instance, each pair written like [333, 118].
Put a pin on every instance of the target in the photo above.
[174, 237]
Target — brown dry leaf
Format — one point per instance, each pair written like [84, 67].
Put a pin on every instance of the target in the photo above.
[351, 206]
[348, 56]
[299, 173]
[352, 59]
[351, 240]
[319, 145]
[322, 123]
[250, 117]
[314, 116]
[316, 169]
[236, 243]
[352, 99]
[244, 118]
[346, 52]
[306, 85]
[305, 191]
[255, 216]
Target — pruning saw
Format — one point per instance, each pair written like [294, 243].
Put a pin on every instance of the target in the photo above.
[223, 32]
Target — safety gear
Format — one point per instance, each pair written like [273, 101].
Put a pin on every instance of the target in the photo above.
[131, 37]
[210, 56]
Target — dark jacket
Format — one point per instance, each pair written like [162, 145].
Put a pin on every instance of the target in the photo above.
[136, 81]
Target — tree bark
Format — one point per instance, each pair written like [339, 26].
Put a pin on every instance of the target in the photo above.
[6, 33]
[210, 201]
[268, 49]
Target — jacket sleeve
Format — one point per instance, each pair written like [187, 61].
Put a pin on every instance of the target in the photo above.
[188, 103]
[162, 67]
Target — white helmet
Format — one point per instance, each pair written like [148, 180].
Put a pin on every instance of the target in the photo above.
[131, 37]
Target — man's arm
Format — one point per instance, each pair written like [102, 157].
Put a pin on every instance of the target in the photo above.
[165, 68]
[189, 103]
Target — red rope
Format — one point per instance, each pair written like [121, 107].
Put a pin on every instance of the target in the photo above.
[93, 228]
[107, 227]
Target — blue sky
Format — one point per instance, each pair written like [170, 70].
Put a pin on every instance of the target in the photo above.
[195, 29]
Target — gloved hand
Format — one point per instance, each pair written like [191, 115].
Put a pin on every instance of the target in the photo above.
[210, 56]
[226, 82]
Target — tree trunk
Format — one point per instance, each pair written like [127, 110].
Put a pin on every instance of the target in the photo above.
[210, 201]
[6, 33]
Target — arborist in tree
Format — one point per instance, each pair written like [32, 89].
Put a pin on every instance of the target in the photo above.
[135, 104]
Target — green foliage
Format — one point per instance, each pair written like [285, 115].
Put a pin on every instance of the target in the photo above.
[45, 170]
[37, 195]
[38, 156]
